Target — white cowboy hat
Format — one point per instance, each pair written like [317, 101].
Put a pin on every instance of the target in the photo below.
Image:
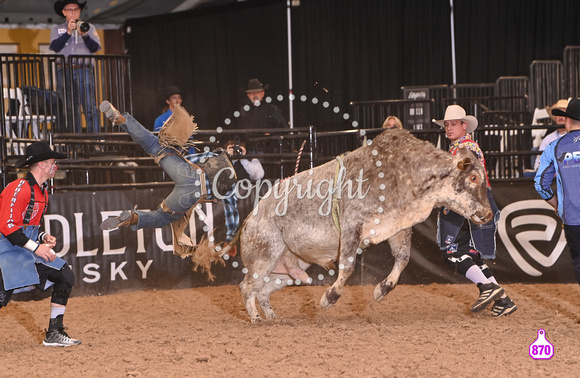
[457, 112]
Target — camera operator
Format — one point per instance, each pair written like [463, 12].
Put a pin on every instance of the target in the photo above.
[76, 37]
[245, 169]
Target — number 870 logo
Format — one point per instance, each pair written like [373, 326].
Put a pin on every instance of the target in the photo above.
[541, 349]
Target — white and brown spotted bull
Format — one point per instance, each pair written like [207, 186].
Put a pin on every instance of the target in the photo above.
[375, 193]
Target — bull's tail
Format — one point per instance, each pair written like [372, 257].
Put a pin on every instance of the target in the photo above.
[206, 254]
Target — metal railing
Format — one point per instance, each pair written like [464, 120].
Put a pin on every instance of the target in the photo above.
[112, 160]
[52, 94]
[572, 71]
[547, 82]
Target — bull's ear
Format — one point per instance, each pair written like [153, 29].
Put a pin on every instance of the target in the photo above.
[464, 163]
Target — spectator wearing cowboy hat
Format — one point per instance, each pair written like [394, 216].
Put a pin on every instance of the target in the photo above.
[561, 160]
[171, 97]
[76, 38]
[556, 134]
[257, 114]
[464, 244]
[27, 258]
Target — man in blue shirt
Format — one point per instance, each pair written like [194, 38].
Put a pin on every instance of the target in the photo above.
[562, 159]
[172, 97]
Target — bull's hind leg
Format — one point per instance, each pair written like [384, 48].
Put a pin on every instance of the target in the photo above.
[350, 240]
[249, 293]
[401, 249]
[260, 256]
[275, 282]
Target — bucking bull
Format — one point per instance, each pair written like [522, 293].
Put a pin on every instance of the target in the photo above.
[375, 193]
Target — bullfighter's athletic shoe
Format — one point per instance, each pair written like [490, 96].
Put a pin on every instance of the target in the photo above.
[488, 293]
[126, 218]
[58, 337]
[503, 306]
[111, 113]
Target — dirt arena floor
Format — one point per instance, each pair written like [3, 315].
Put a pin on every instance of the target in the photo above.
[417, 331]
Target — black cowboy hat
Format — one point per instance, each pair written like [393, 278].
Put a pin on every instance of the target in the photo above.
[38, 151]
[572, 111]
[60, 4]
[170, 91]
[254, 85]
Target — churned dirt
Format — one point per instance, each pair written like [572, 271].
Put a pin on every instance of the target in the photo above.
[416, 331]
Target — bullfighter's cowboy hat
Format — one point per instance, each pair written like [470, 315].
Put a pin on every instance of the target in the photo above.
[38, 151]
[561, 104]
[60, 4]
[170, 91]
[254, 85]
[572, 111]
[457, 112]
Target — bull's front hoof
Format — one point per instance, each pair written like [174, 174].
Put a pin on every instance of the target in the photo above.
[329, 298]
[256, 319]
[381, 291]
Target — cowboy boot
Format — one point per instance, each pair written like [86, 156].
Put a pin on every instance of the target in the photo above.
[126, 218]
[111, 113]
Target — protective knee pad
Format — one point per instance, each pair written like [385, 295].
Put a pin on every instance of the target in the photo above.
[60, 295]
[63, 286]
[460, 263]
[68, 275]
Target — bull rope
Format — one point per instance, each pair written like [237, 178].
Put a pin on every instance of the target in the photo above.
[335, 206]
[299, 156]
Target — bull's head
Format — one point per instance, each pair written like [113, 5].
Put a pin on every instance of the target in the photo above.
[471, 188]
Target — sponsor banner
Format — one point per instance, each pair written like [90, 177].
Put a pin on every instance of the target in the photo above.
[530, 243]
